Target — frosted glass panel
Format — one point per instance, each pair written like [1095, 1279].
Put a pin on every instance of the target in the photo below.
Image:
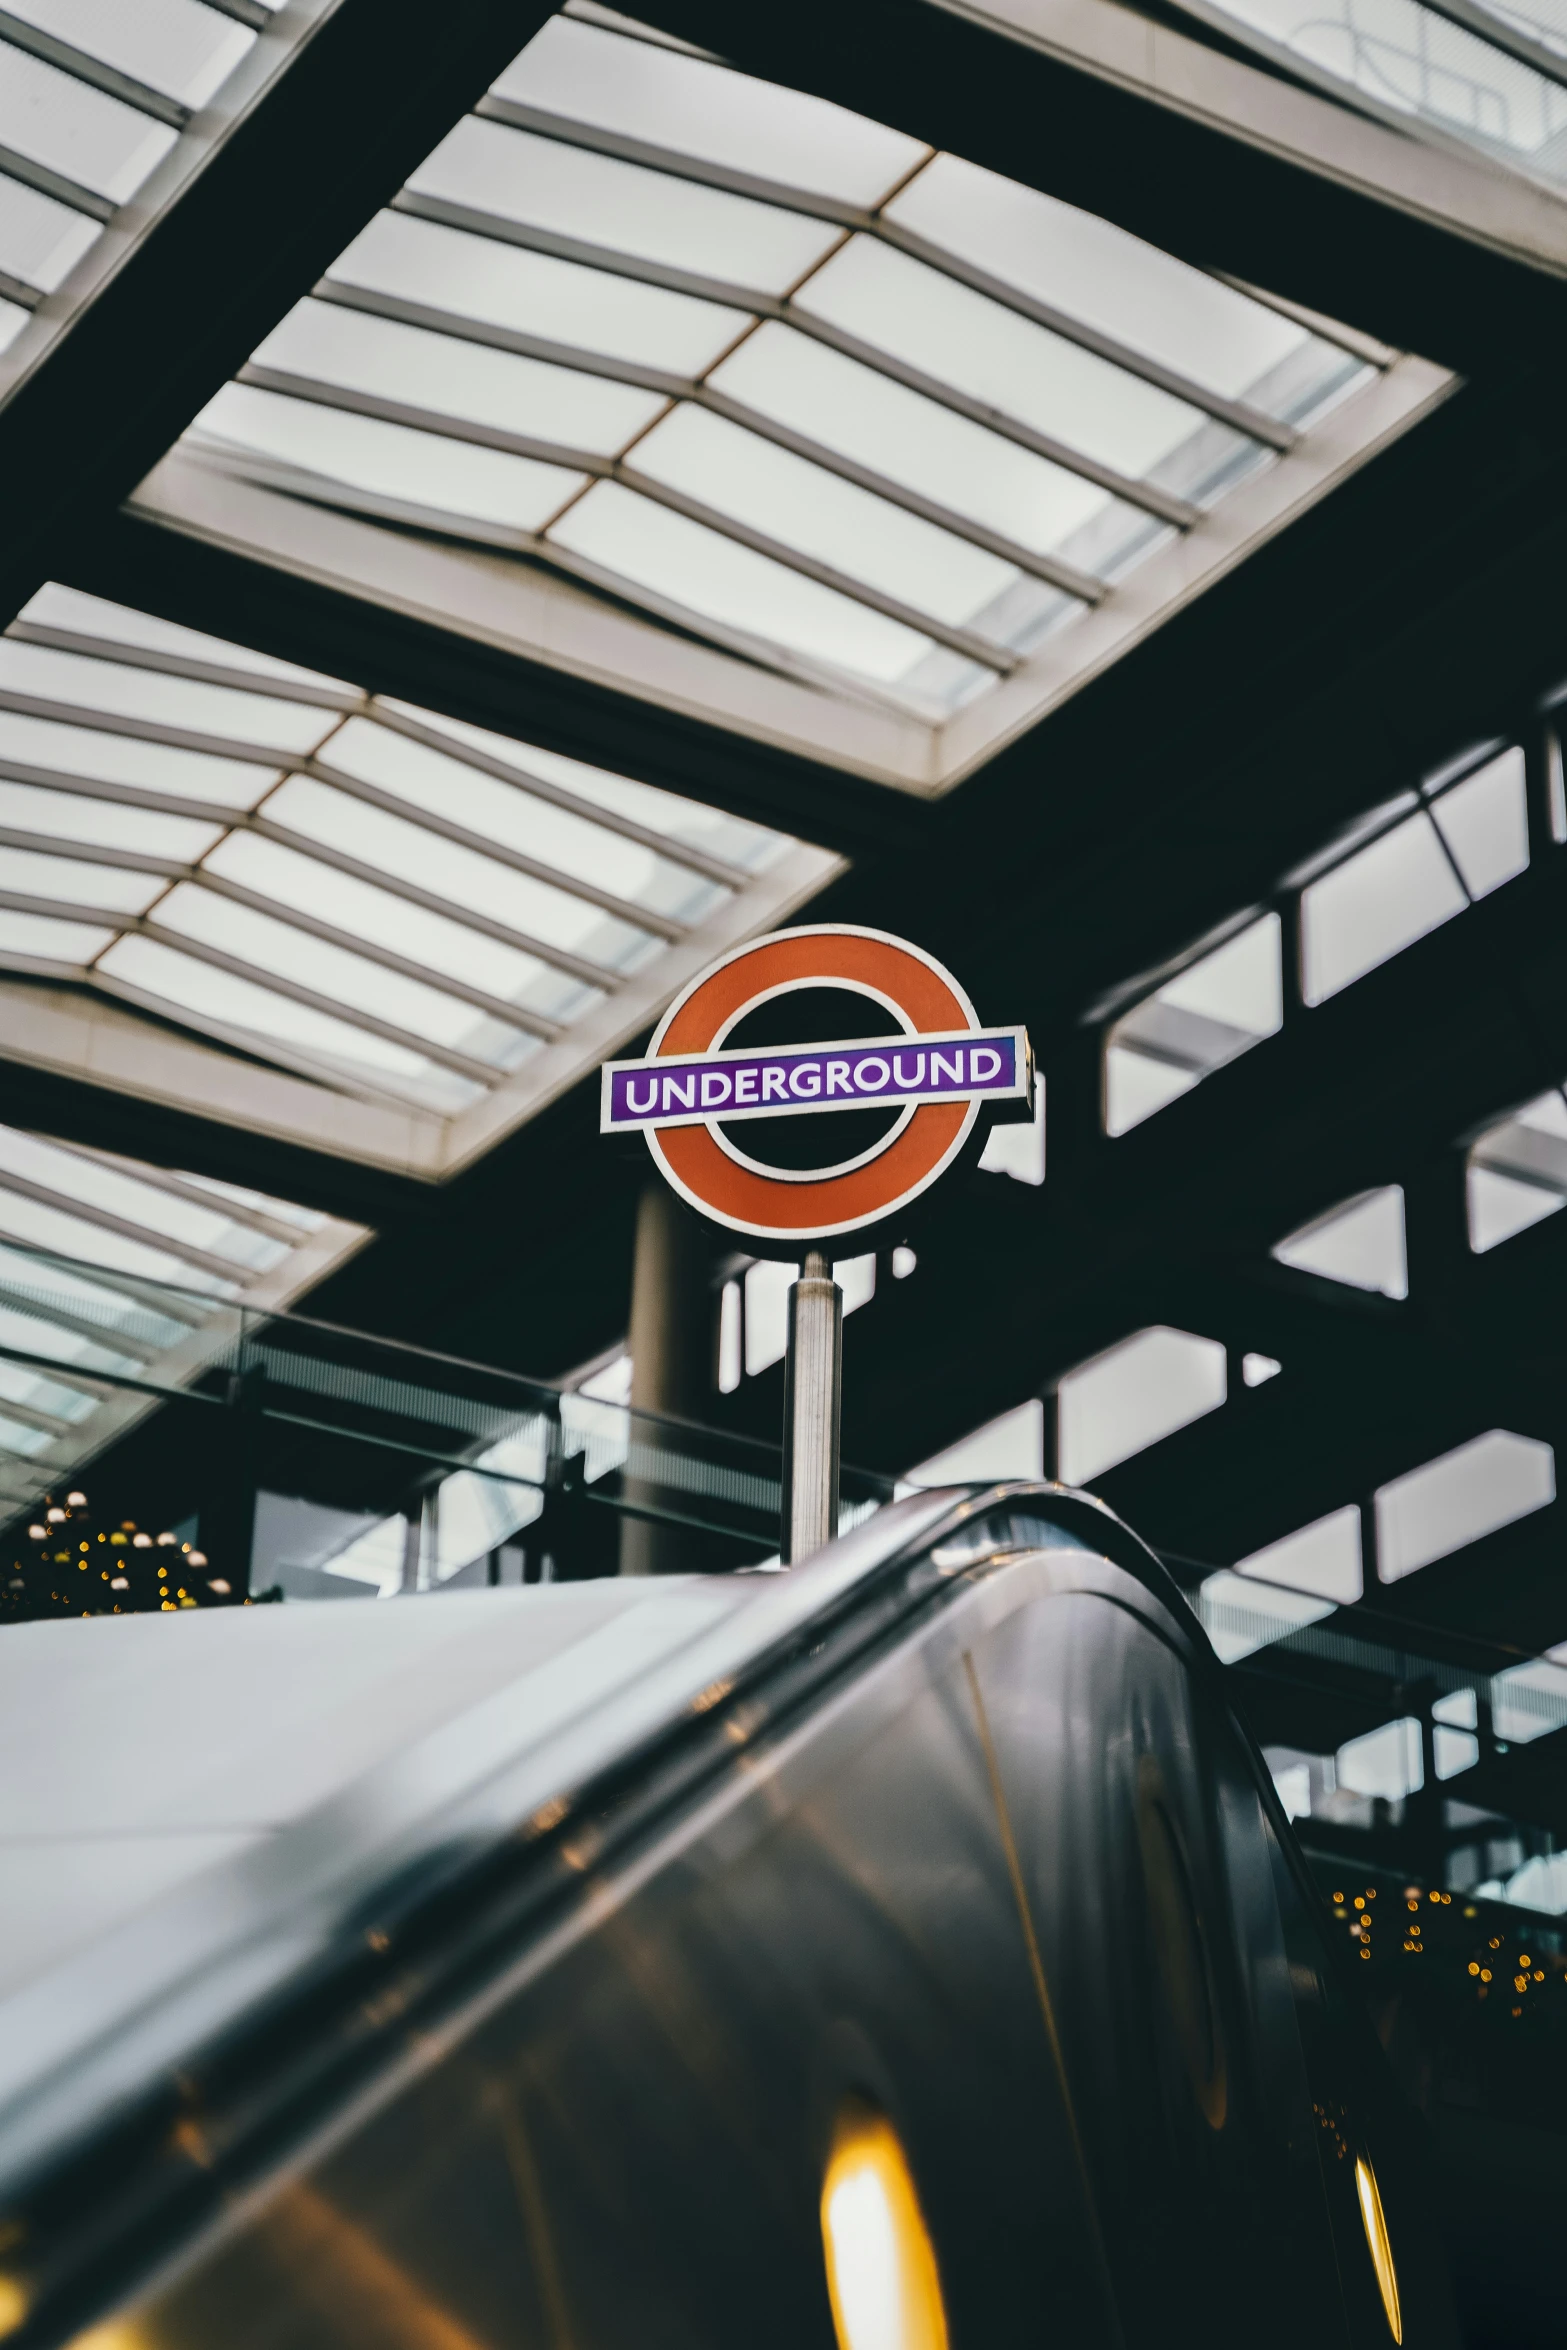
[464, 380]
[1375, 904]
[1453, 1501]
[533, 293]
[709, 111]
[991, 353]
[388, 460]
[40, 241]
[176, 46]
[88, 137]
[181, 702]
[728, 583]
[27, 807]
[123, 758]
[1135, 1393]
[622, 207]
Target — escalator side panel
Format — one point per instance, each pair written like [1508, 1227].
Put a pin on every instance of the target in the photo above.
[629, 2148]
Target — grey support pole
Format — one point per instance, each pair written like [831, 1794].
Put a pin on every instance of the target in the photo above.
[813, 1410]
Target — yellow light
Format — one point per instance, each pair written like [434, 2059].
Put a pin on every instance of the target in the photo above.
[882, 2277]
[1381, 2251]
[13, 2305]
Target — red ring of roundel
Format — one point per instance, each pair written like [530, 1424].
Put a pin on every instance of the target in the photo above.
[913, 1156]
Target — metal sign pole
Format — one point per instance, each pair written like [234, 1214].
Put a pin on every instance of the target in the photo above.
[813, 1410]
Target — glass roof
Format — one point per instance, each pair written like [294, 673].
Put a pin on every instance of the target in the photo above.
[111, 1271]
[93, 95]
[783, 377]
[401, 908]
[1493, 77]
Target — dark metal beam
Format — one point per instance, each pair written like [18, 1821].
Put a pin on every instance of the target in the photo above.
[362, 103]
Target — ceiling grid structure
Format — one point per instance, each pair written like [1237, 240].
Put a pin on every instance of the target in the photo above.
[887, 452]
[374, 932]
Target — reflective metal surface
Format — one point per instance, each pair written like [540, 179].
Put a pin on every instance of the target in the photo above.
[960, 1828]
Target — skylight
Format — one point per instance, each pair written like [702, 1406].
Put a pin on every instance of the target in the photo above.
[837, 406]
[418, 930]
[112, 1271]
[1492, 78]
[94, 100]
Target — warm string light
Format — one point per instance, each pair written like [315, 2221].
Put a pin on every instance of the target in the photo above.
[129, 1575]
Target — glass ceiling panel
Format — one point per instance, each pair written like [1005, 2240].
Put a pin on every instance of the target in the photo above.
[25, 874]
[390, 460]
[12, 320]
[344, 978]
[733, 585]
[849, 408]
[903, 444]
[41, 938]
[347, 940]
[603, 201]
[459, 379]
[105, 824]
[948, 330]
[91, 616]
[536, 294]
[686, 103]
[1407, 60]
[206, 994]
[176, 46]
[269, 870]
[155, 1263]
[516, 819]
[47, 675]
[748, 848]
[73, 129]
[799, 503]
[1093, 271]
[401, 848]
[40, 241]
[122, 758]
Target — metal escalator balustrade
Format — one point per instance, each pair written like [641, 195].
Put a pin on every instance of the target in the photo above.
[537, 2014]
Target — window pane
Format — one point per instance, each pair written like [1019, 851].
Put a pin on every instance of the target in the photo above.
[55, 942]
[1485, 822]
[994, 355]
[331, 971]
[271, 870]
[800, 505]
[41, 241]
[559, 301]
[461, 875]
[1361, 1242]
[1451, 1502]
[55, 606]
[172, 45]
[78, 131]
[1135, 1393]
[1518, 1172]
[458, 379]
[38, 1226]
[694, 566]
[24, 807]
[592, 75]
[1113, 281]
[109, 886]
[1323, 1558]
[210, 994]
[1215, 1009]
[1368, 909]
[1419, 63]
[163, 700]
[123, 758]
[388, 460]
[621, 206]
[500, 812]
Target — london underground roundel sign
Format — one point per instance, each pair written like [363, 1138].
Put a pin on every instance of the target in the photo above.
[692, 1090]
